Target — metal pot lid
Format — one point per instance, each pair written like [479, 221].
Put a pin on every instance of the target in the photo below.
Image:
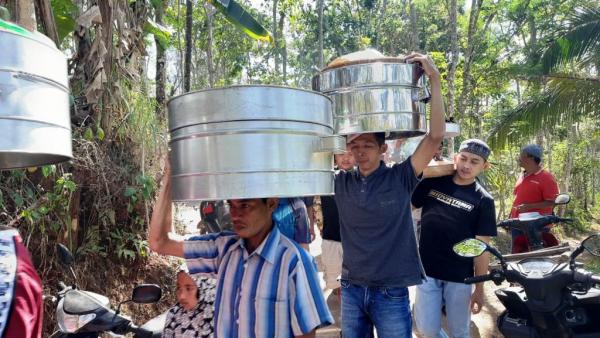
[367, 68]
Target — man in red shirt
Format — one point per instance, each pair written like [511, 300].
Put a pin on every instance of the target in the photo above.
[534, 191]
[20, 289]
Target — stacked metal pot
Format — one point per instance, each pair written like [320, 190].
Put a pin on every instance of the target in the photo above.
[250, 142]
[268, 141]
[375, 93]
[35, 127]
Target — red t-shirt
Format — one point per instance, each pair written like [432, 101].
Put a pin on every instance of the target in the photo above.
[26, 315]
[537, 187]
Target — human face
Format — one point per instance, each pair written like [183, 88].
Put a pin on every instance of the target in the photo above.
[187, 291]
[526, 161]
[345, 161]
[468, 166]
[252, 218]
[367, 152]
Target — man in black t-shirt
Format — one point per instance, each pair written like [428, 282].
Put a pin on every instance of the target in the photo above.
[331, 246]
[455, 207]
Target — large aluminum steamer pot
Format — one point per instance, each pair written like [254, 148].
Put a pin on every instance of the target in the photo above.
[376, 95]
[250, 142]
[35, 127]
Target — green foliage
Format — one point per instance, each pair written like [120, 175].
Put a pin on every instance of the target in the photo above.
[128, 245]
[65, 13]
[581, 42]
[160, 32]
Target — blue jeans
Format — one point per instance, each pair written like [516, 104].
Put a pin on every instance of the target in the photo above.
[430, 297]
[385, 308]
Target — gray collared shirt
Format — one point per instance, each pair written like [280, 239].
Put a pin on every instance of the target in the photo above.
[378, 238]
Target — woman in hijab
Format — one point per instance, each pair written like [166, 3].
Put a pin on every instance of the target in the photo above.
[193, 314]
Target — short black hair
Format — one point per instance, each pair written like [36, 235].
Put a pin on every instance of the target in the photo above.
[380, 138]
[536, 159]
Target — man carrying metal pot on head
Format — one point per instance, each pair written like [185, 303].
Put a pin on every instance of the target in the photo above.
[381, 258]
[266, 285]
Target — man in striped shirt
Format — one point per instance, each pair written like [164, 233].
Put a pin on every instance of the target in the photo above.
[267, 285]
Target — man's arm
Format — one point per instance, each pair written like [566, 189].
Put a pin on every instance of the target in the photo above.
[161, 237]
[437, 126]
[539, 205]
[481, 264]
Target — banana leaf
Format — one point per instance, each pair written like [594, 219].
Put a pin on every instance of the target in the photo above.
[238, 16]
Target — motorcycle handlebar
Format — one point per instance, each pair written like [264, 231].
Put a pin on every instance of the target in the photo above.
[478, 279]
[595, 279]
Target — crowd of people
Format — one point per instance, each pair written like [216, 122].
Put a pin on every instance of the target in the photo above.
[267, 282]
[260, 280]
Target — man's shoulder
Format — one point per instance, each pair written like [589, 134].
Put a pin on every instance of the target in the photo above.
[223, 236]
[547, 175]
[480, 189]
[293, 251]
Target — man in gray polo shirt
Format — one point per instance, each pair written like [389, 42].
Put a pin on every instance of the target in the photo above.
[381, 258]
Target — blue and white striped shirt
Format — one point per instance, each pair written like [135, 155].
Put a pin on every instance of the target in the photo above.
[272, 292]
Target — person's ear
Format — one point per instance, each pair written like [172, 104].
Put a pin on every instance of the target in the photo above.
[383, 148]
[272, 203]
[486, 165]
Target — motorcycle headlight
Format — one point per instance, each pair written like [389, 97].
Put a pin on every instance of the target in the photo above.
[72, 323]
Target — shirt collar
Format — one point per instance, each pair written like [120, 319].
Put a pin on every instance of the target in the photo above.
[375, 173]
[533, 174]
[268, 248]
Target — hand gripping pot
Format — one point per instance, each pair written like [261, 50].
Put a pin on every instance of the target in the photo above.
[35, 127]
[251, 142]
[375, 93]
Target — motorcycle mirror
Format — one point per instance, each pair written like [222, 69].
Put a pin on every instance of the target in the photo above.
[470, 247]
[562, 199]
[146, 293]
[64, 255]
[592, 245]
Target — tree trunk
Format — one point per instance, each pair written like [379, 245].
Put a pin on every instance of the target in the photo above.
[379, 22]
[569, 160]
[46, 18]
[275, 38]
[188, 47]
[320, 5]
[105, 116]
[532, 39]
[414, 28]
[22, 12]
[160, 68]
[209, 51]
[469, 51]
[282, 47]
[453, 32]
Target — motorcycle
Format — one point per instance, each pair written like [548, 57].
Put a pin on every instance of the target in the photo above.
[85, 314]
[214, 217]
[532, 225]
[549, 299]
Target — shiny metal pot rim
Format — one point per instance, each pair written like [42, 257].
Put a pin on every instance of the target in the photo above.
[32, 56]
[249, 103]
[369, 75]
